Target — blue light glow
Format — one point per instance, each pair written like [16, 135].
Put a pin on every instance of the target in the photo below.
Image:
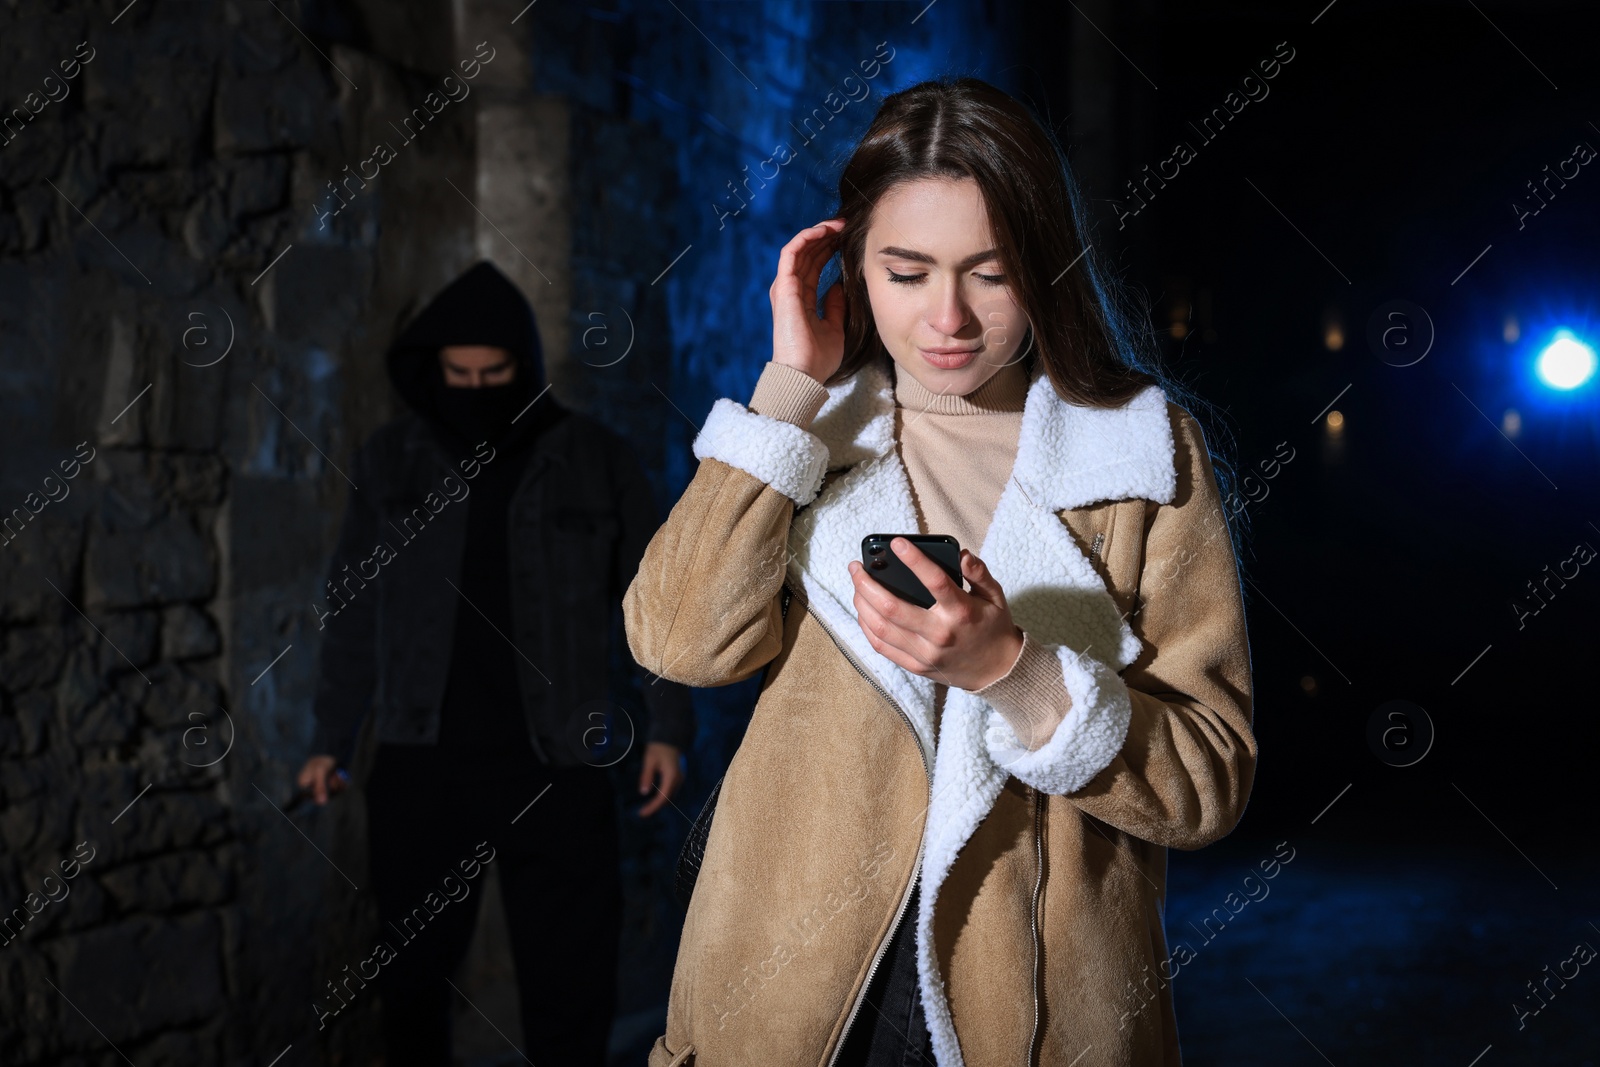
[1566, 362]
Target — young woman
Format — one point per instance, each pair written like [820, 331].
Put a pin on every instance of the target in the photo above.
[943, 837]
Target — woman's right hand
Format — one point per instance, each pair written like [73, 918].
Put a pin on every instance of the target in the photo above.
[799, 338]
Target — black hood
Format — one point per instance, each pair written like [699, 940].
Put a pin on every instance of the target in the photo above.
[481, 307]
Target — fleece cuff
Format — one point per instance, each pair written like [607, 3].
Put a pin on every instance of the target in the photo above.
[786, 457]
[1086, 740]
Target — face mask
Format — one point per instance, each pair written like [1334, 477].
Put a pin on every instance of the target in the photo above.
[483, 413]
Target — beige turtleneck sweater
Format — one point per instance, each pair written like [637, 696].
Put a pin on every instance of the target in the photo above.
[958, 452]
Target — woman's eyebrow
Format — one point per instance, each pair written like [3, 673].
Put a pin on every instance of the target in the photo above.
[923, 257]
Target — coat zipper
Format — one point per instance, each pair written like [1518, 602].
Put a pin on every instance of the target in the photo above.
[1033, 914]
[877, 956]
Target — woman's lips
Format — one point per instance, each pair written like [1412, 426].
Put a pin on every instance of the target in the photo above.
[949, 360]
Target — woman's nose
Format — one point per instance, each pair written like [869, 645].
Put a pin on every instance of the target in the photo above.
[949, 312]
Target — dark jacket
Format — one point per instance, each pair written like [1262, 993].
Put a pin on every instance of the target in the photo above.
[577, 525]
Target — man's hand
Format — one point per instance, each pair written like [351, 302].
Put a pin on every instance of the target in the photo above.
[661, 763]
[966, 640]
[322, 777]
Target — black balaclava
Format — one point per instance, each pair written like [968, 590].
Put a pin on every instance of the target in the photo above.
[481, 307]
[483, 413]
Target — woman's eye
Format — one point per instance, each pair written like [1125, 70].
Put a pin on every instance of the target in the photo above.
[913, 279]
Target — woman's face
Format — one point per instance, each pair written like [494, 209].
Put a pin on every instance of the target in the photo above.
[940, 303]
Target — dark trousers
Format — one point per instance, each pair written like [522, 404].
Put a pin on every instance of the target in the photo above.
[428, 810]
[890, 1029]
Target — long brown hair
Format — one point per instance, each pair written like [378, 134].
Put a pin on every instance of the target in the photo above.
[1097, 345]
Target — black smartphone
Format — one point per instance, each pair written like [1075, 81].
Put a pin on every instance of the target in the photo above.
[890, 571]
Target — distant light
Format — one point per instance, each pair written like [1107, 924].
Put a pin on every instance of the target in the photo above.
[1182, 310]
[1511, 422]
[1333, 337]
[1511, 330]
[1566, 362]
[1335, 421]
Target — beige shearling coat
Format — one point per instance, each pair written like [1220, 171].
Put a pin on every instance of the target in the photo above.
[1040, 930]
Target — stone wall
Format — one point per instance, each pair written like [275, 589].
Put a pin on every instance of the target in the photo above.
[182, 333]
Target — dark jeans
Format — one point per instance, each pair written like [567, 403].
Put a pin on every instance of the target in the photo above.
[890, 1030]
[428, 810]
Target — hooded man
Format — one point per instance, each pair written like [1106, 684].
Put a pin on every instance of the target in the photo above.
[471, 609]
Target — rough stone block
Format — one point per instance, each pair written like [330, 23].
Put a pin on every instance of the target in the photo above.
[20, 779]
[35, 207]
[10, 731]
[31, 714]
[41, 822]
[48, 547]
[85, 904]
[31, 1009]
[177, 1048]
[205, 227]
[262, 112]
[163, 821]
[143, 976]
[80, 684]
[33, 656]
[180, 881]
[192, 479]
[127, 639]
[187, 632]
[112, 720]
[256, 184]
[176, 693]
[104, 788]
[134, 564]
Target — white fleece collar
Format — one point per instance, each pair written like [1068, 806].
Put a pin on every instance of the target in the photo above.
[1068, 456]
